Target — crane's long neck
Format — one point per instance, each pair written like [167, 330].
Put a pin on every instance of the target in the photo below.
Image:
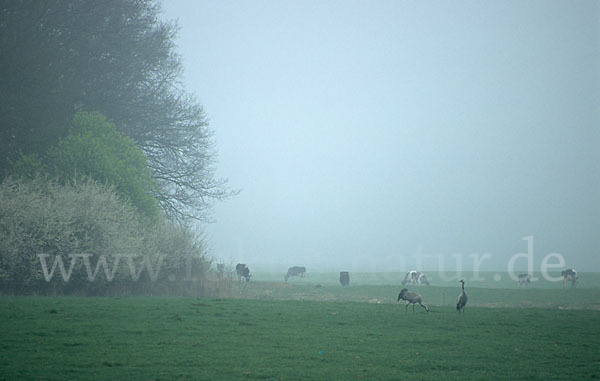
[463, 287]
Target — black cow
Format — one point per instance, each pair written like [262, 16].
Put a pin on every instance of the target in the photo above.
[344, 278]
[569, 275]
[295, 271]
[242, 271]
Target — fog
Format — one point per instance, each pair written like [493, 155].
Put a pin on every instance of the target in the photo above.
[366, 135]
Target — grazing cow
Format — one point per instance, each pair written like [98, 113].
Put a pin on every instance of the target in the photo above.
[242, 271]
[344, 278]
[415, 277]
[524, 279]
[295, 271]
[569, 275]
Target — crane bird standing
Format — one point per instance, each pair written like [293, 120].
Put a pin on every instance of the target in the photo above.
[461, 302]
[411, 298]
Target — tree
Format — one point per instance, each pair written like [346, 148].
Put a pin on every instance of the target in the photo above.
[94, 148]
[116, 57]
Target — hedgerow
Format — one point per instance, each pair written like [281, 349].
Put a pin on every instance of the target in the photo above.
[81, 223]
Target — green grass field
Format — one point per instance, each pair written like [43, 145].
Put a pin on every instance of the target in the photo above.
[307, 329]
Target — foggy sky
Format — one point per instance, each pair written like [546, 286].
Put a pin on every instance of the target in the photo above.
[363, 133]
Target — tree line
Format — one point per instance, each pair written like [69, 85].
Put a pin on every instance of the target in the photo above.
[115, 57]
[93, 108]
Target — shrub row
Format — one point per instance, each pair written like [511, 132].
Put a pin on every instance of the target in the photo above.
[86, 225]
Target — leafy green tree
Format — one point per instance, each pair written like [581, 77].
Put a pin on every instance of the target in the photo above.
[94, 148]
[118, 57]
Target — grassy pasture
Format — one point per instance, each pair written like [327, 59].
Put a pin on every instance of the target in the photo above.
[265, 338]
[382, 288]
[433, 296]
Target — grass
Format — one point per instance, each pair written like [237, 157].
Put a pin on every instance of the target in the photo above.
[578, 298]
[301, 331]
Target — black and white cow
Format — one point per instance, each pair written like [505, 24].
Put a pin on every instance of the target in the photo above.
[242, 271]
[524, 279]
[415, 277]
[295, 271]
[569, 275]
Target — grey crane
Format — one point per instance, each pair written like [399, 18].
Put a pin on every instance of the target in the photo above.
[411, 298]
[461, 302]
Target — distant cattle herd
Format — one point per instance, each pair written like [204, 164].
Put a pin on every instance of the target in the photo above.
[412, 277]
[568, 276]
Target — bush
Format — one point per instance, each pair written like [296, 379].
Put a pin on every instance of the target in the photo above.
[86, 218]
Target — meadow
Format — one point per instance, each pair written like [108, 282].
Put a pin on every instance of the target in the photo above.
[309, 328]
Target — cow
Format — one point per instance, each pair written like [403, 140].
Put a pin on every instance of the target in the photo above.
[569, 275]
[295, 271]
[415, 277]
[242, 271]
[344, 278]
[524, 279]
